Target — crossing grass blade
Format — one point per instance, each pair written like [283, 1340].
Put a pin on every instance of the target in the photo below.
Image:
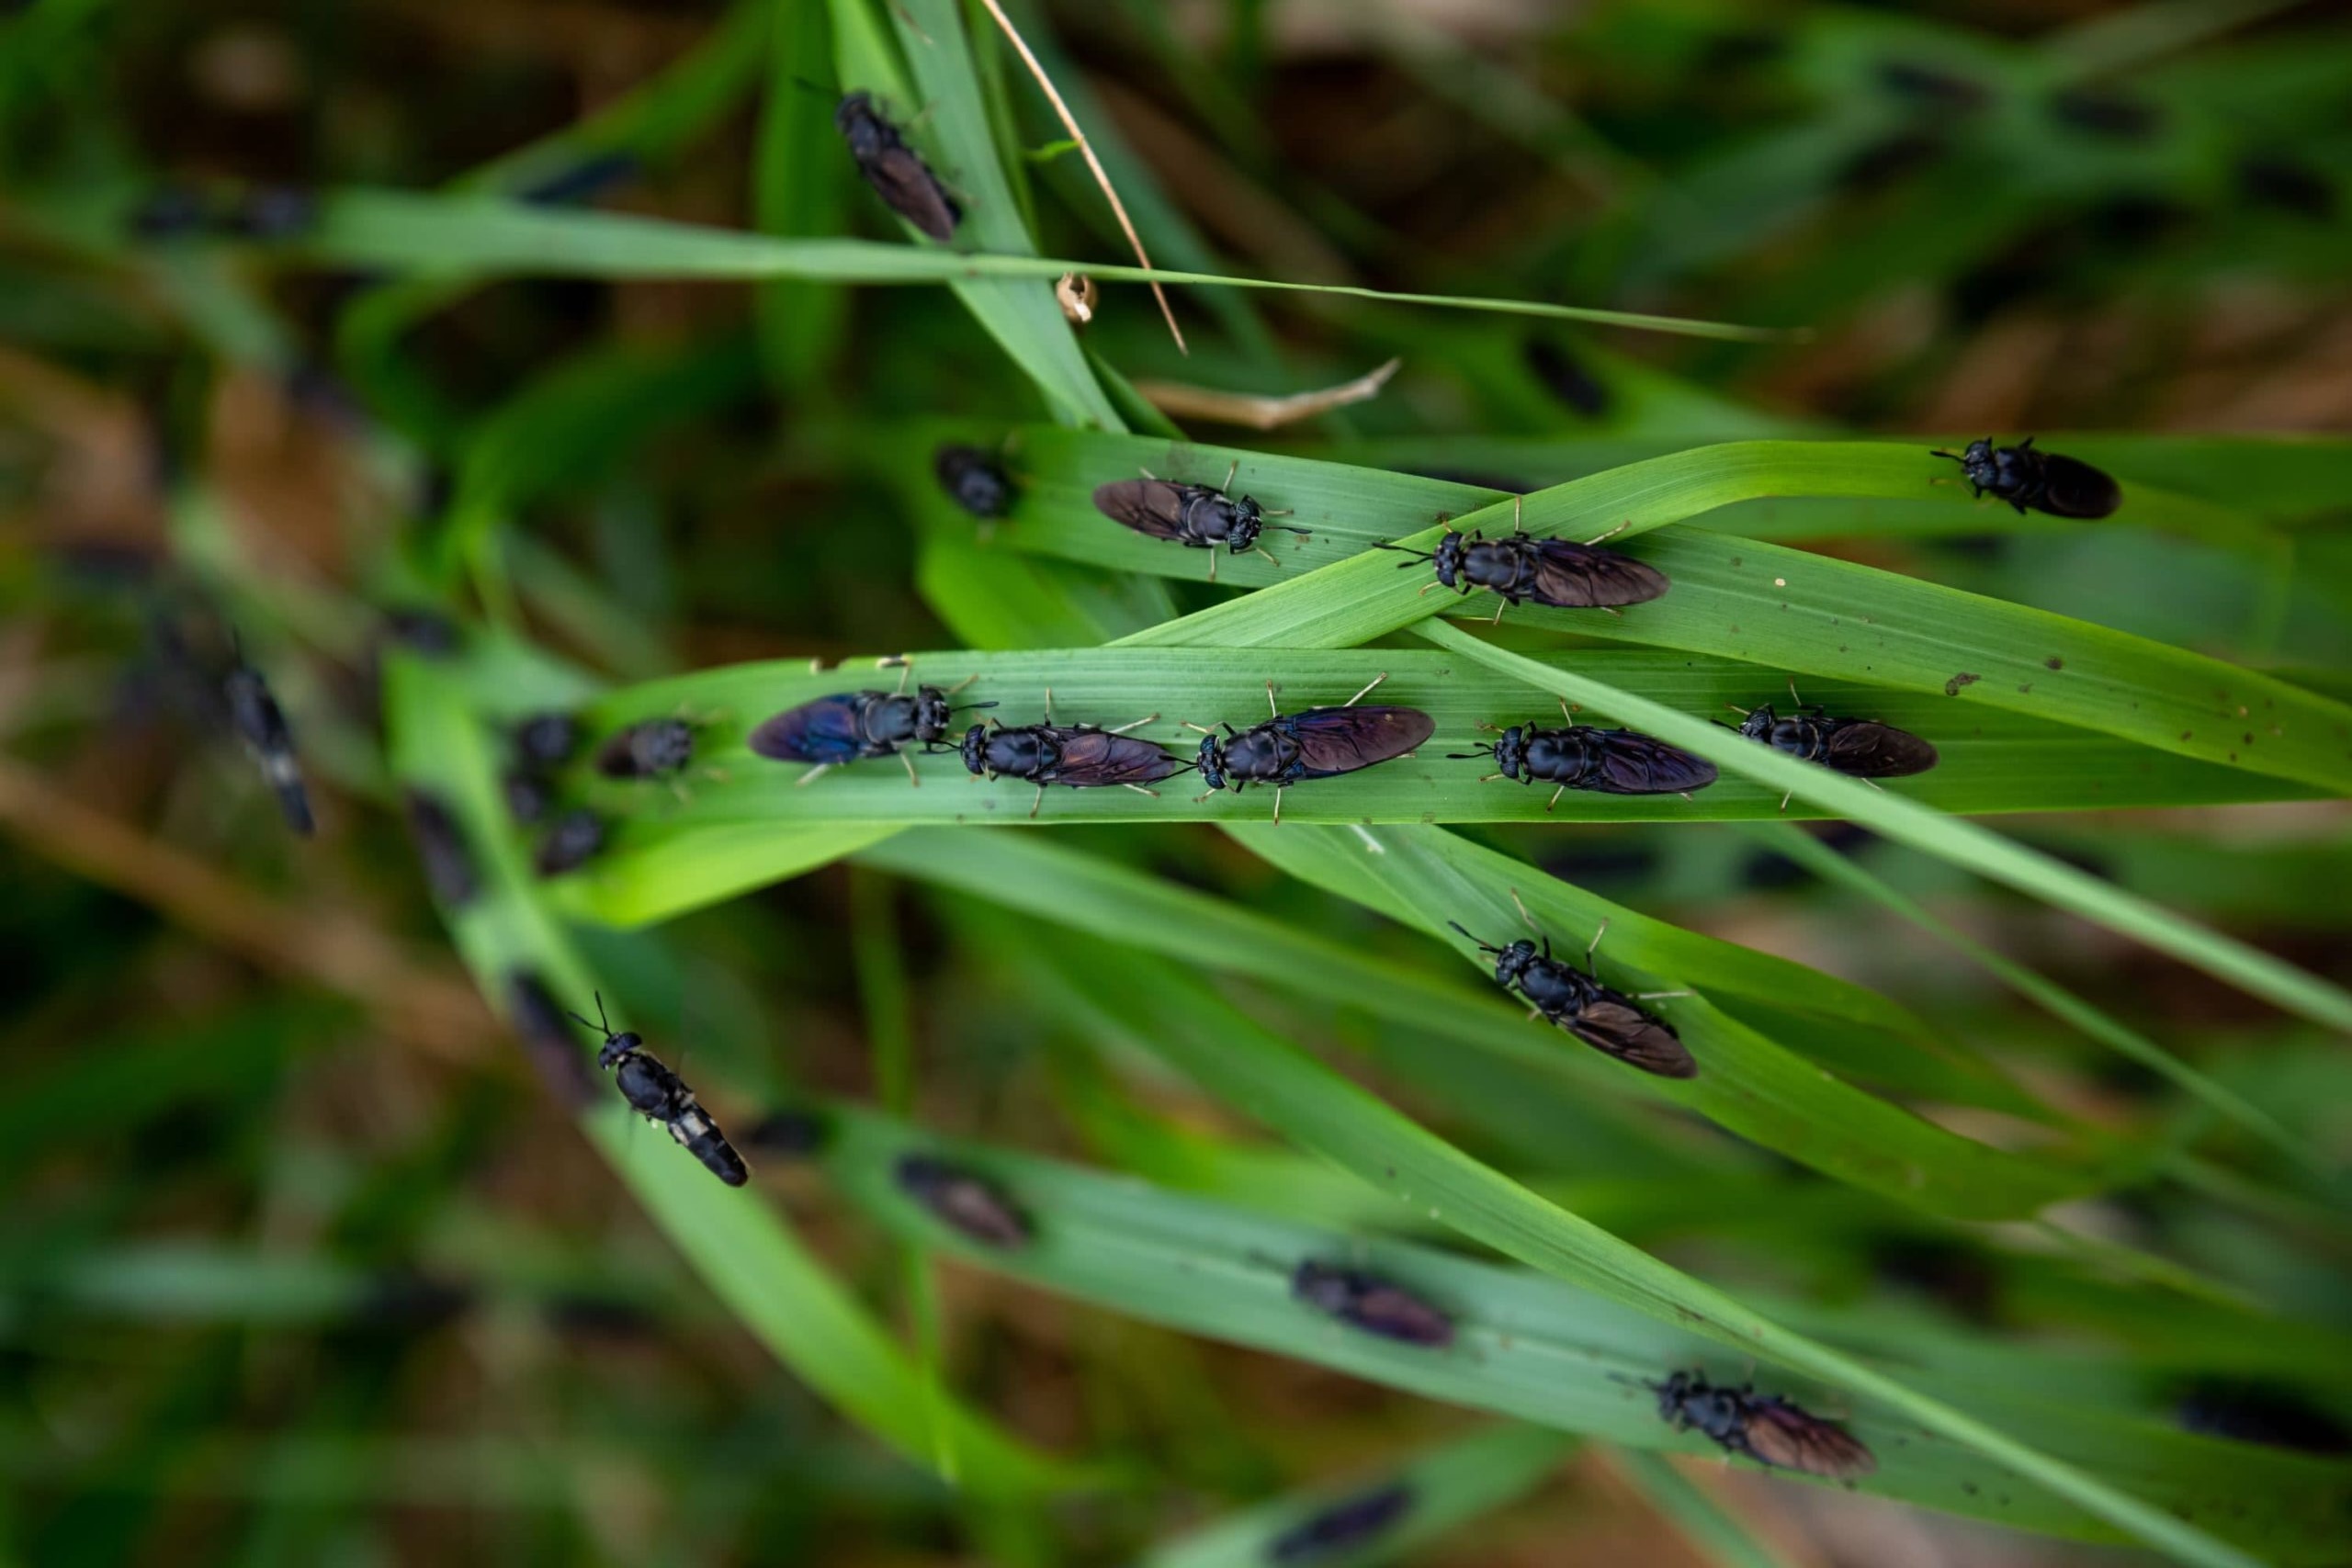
[742, 1249]
[1554, 1349]
[396, 231]
[1964, 844]
[1445, 1488]
[1718, 1537]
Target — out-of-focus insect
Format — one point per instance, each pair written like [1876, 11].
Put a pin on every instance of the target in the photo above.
[1564, 377]
[1194, 515]
[1580, 756]
[2249, 1411]
[575, 839]
[2043, 481]
[895, 170]
[425, 632]
[2273, 179]
[554, 1050]
[261, 725]
[582, 181]
[1345, 1525]
[964, 1200]
[1927, 85]
[649, 749]
[1558, 572]
[660, 1095]
[171, 212]
[1604, 1018]
[271, 212]
[1081, 756]
[1367, 1302]
[441, 845]
[1315, 744]
[547, 740]
[850, 727]
[2109, 114]
[1761, 1426]
[1859, 748]
[528, 795]
[974, 480]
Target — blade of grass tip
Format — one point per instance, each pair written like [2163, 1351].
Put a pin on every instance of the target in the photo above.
[882, 997]
[1810, 852]
[1101, 176]
[1948, 837]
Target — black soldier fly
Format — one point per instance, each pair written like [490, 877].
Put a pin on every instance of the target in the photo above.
[1367, 1302]
[1194, 515]
[527, 793]
[2043, 481]
[171, 212]
[660, 1095]
[1761, 1426]
[271, 212]
[964, 1200]
[1315, 744]
[2274, 179]
[1605, 1019]
[1582, 756]
[441, 845]
[575, 839]
[547, 740]
[974, 480]
[1081, 756]
[1859, 748]
[650, 748]
[554, 1050]
[850, 726]
[895, 170]
[1558, 572]
[261, 725]
[1342, 1527]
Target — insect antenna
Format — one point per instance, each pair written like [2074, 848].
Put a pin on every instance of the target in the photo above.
[1474, 751]
[1483, 946]
[1400, 550]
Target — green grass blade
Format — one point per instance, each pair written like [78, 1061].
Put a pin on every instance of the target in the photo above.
[1248, 1068]
[395, 230]
[1719, 1537]
[1546, 1350]
[742, 1248]
[2060, 1003]
[1964, 844]
[1449, 1486]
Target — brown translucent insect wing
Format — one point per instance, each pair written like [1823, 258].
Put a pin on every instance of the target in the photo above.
[905, 182]
[1635, 763]
[1865, 748]
[1395, 1313]
[1615, 1027]
[1148, 506]
[2075, 489]
[1574, 576]
[1340, 740]
[1780, 1434]
[1094, 758]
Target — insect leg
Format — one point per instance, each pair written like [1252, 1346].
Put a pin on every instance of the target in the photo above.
[910, 762]
[1786, 799]
[1230, 469]
[1212, 563]
[1125, 727]
[1595, 942]
[1660, 996]
[1037, 803]
[1262, 550]
[1501, 605]
[906, 673]
[1487, 778]
[1270, 702]
[1360, 695]
[1516, 525]
[1049, 705]
[1278, 803]
[1612, 533]
[1141, 790]
[1203, 728]
[810, 775]
[1523, 915]
[1555, 798]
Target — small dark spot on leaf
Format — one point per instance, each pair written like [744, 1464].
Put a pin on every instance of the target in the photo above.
[2054, 662]
[1969, 1487]
[2249, 737]
[1965, 677]
[2186, 733]
[1734, 560]
[2027, 687]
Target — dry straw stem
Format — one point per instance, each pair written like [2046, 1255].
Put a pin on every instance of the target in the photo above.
[1259, 412]
[1070, 123]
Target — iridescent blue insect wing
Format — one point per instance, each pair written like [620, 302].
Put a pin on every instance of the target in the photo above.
[825, 730]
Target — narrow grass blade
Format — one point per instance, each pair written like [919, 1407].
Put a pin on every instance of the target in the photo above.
[395, 230]
[1719, 1537]
[2029, 872]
